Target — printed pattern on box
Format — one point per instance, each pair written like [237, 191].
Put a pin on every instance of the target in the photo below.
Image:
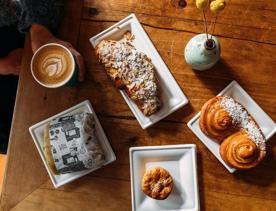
[74, 143]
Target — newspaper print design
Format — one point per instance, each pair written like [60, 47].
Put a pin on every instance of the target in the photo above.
[74, 144]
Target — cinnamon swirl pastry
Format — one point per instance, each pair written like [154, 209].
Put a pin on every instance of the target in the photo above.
[132, 71]
[239, 151]
[215, 121]
[223, 118]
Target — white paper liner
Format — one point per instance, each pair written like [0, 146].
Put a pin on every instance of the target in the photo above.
[74, 144]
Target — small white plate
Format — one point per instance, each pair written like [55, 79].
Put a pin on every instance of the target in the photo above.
[180, 161]
[172, 96]
[235, 91]
[37, 132]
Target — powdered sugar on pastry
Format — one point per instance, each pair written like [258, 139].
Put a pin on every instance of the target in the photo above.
[134, 68]
[241, 118]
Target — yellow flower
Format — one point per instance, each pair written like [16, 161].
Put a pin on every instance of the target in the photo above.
[217, 5]
[201, 4]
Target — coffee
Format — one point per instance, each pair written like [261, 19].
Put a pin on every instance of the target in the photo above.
[52, 64]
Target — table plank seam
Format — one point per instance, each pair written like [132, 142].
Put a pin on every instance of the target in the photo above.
[242, 195]
[219, 192]
[179, 30]
[181, 19]
[2, 196]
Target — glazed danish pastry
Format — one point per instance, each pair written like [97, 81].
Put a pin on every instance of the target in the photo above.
[157, 183]
[243, 143]
[132, 71]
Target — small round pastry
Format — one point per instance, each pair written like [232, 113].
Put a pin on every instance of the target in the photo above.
[240, 151]
[214, 120]
[157, 183]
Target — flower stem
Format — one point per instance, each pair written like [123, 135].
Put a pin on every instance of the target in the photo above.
[214, 25]
[205, 24]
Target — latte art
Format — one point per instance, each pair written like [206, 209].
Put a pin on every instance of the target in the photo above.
[52, 65]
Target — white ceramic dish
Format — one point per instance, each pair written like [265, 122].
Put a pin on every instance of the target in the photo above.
[37, 135]
[172, 96]
[235, 91]
[180, 161]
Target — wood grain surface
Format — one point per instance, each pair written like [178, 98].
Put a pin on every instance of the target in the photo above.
[247, 32]
[2, 169]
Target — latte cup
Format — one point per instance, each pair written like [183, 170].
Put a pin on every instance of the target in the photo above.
[53, 66]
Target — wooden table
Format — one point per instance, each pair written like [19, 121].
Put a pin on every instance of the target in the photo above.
[247, 31]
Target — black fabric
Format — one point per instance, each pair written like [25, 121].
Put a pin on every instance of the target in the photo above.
[8, 86]
[10, 39]
[44, 12]
[24, 13]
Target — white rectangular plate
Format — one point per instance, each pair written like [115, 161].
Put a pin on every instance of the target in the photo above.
[171, 95]
[235, 91]
[37, 132]
[180, 161]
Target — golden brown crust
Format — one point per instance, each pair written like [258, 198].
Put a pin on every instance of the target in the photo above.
[48, 151]
[240, 152]
[214, 121]
[157, 183]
